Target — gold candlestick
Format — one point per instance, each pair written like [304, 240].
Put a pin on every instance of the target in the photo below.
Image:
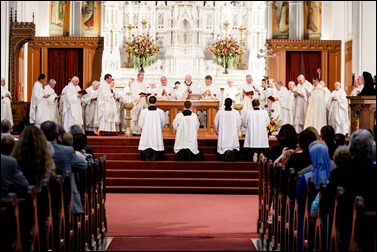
[239, 107]
[241, 66]
[144, 24]
[128, 106]
[226, 24]
[129, 27]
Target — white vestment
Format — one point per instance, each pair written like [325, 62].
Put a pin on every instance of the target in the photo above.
[90, 108]
[73, 113]
[61, 109]
[227, 123]
[49, 106]
[232, 93]
[140, 103]
[286, 104]
[263, 98]
[35, 113]
[256, 123]
[213, 89]
[6, 109]
[183, 90]
[246, 100]
[300, 108]
[274, 106]
[151, 122]
[107, 108]
[316, 110]
[164, 89]
[186, 136]
[338, 112]
[356, 91]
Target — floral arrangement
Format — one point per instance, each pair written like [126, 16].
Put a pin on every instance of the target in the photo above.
[143, 49]
[225, 50]
[274, 126]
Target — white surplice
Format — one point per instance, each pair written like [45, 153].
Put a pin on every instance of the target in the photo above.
[186, 136]
[299, 112]
[73, 113]
[49, 105]
[107, 108]
[140, 103]
[35, 114]
[213, 89]
[227, 123]
[316, 110]
[255, 123]
[151, 122]
[6, 109]
[91, 109]
[338, 112]
[286, 104]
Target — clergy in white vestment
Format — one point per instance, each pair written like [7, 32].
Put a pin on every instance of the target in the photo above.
[62, 103]
[6, 109]
[139, 98]
[90, 107]
[186, 125]
[151, 121]
[273, 100]
[37, 95]
[301, 96]
[232, 92]
[284, 98]
[291, 87]
[152, 88]
[174, 92]
[358, 85]
[246, 96]
[108, 114]
[209, 91]
[327, 97]
[72, 107]
[255, 123]
[227, 123]
[50, 104]
[187, 88]
[316, 110]
[262, 95]
[338, 110]
[164, 91]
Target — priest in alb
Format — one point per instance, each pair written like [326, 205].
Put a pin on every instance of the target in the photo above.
[232, 92]
[89, 102]
[256, 122]
[301, 96]
[108, 114]
[186, 125]
[286, 103]
[248, 94]
[151, 121]
[6, 110]
[227, 124]
[338, 110]
[73, 109]
[49, 105]
[138, 97]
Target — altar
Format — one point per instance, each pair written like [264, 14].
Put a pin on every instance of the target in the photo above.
[175, 107]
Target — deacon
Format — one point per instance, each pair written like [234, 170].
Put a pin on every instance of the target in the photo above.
[107, 108]
[89, 102]
[151, 121]
[316, 110]
[286, 103]
[6, 110]
[255, 123]
[186, 125]
[138, 96]
[37, 95]
[227, 123]
[338, 110]
[73, 109]
[49, 105]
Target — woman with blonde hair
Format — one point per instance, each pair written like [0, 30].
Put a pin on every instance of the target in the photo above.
[34, 156]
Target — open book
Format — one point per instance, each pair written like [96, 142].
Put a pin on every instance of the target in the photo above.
[271, 98]
[248, 93]
[295, 92]
[146, 94]
[82, 92]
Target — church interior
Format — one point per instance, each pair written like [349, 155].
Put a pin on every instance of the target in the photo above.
[257, 54]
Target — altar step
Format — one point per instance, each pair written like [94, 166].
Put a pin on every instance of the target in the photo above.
[126, 173]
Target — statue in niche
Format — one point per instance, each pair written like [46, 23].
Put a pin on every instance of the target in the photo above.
[280, 13]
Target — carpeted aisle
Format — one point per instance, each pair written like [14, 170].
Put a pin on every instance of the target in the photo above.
[181, 222]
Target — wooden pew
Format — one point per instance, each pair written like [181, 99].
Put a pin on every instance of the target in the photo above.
[308, 221]
[81, 182]
[321, 242]
[280, 208]
[10, 237]
[102, 196]
[269, 205]
[45, 216]
[260, 195]
[363, 236]
[58, 213]
[335, 242]
[289, 210]
[69, 220]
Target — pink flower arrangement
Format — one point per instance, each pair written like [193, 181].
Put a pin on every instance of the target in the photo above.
[225, 49]
[143, 48]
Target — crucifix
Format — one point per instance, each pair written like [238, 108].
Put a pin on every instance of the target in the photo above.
[266, 54]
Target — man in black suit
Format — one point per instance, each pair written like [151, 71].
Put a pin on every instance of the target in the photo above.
[12, 179]
[66, 161]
